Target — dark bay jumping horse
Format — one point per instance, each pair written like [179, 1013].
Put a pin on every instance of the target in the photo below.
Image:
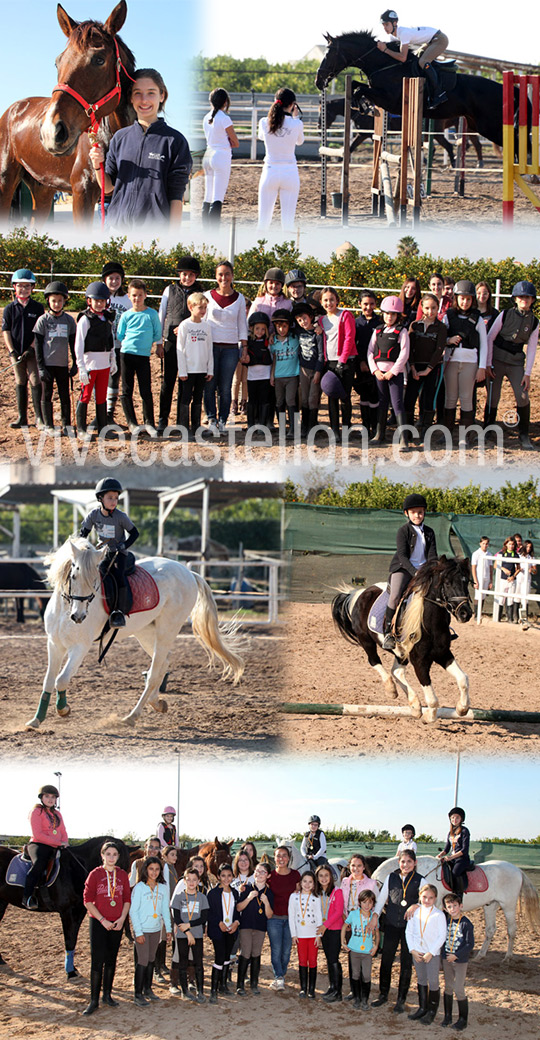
[65, 896]
[43, 141]
[476, 98]
[438, 591]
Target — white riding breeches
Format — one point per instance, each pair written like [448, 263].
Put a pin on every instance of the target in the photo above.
[280, 179]
[217, 171]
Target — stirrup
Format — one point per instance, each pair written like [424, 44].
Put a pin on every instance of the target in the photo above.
[117, 619]
[453, 635]
[389, 641]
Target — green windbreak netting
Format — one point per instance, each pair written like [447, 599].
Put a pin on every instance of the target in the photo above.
[523, 856]
[332, 529]
[470, 528]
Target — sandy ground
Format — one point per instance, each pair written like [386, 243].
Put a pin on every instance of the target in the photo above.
[38, 1002]
[325, 668]
[482, 203]
[206, 715]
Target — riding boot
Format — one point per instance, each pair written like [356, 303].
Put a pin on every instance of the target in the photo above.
[404, 437]
[312, 982]
[291, 416]
[215, 985]
[140, 976]
[355, 986]
[408, 418]
[101, 416]
[182, 978]
[380, 432]
[389, 641]
[255, 966]
[490, 417]
[22, 407]
[422, 1004]
[161, 953]
[432, 1007]
[108, 979]
[399, 1006]
[331, 995]
[523, 427]
[466, 420]
[214, 214]
[204, 214]
[450, 419]
[448, 1000]
[148, 411]
[129, 412]
[111, 406]
[365, 990]
[426, 420]
[313, 418]
[81, 415]
[303, 973]
[48, 415]
[95, 990]
[147, 990]
[199, 982]
[243, 964]
[436, 94]
[381, 999]
[463, 1008]
[36, 392]
[224, 984]
[304, 426]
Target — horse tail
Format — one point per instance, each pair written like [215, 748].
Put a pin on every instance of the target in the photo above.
[342, 607]
[411, 628]
[529, 903]
[220, 641]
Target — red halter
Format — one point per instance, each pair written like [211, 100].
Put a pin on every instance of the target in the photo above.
[91, 110]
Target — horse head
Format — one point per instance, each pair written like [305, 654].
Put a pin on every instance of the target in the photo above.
[84, 579]
[453, 584]
[91, 78]
[342, 52]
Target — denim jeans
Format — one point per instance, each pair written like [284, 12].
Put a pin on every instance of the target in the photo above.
[280, 945]
[225, 362]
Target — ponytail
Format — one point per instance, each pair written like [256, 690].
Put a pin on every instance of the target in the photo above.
[219, 99]
[276, 116]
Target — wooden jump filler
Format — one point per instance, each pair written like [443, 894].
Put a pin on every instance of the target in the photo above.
[386, 199]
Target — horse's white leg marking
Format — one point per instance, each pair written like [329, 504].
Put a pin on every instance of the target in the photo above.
[462, 680]
[490, 918]
[387, 679]
[398, 673]
[432, 703]
[55, 654]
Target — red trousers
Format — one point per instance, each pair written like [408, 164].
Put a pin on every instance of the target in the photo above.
[307, 953]
[99, 380]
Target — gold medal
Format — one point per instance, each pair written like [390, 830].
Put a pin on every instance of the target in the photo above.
[260, 911]
[113, 902]
[362, 947]
[227, 920]
[154, 915]
[303, 923]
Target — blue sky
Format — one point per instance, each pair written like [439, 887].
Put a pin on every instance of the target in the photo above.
[161, 33]
[279, 794]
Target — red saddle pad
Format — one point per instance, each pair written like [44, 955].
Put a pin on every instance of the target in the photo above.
[476, 881]
[143, 589]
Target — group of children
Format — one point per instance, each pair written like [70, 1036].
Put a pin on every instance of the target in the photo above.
[434, 349]
[515, 579]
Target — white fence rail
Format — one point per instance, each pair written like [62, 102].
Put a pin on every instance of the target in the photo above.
[269, 592]
[517, 592]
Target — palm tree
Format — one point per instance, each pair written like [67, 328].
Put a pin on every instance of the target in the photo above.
[407, 246]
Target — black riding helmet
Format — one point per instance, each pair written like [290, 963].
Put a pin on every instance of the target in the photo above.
[274, 274]
[524, 289]
[303, 308]
[258, 318]
[56, 288]
[49, 789]
[315, 819]
[188, 263]
[457, 811]
[107, 484]
[408, 827]
[97, 291]
[414, 501]
[465, 288]
[113, 267]
[389, 16]
[282, 314]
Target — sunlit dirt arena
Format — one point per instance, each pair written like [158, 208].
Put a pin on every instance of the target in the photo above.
[205, 714]
[504, 999]
[322, 667]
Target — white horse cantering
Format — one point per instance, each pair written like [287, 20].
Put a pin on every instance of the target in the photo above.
[508, 888]
[75, 617]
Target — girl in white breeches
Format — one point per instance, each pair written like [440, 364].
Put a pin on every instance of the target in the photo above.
[220, 139]
[281, 130]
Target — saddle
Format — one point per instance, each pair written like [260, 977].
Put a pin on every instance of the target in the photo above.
[20, 865]
[476, 879]
[446, 71]
[378, 610]
[143, 592]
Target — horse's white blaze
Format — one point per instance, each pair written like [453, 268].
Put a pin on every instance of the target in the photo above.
[398, 673]
[462, 680]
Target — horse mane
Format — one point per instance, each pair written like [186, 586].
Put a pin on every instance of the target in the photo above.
[429, 575]
[92, 34]
[354, 36]
[59, 563]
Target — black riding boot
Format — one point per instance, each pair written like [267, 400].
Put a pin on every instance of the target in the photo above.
[463, 1008]
[432, 1007]
[129, 412]
[186, 993]
[304, 426]
[365, 990]
[148, 412]
[81, 417]
[380, 432]
[426, 420]
[140, 977]
[199, 982]
[224, 985]
[399, 1006]
[22, 407]
[523, 427]
[215, 985]
[436, 94]
[355, 988]
[312, 983]
[422, 1004]
[48, 415]
[243, 964]
[147, 991]
[448, 1000]
[36, 404]
[254, 974]
[331, 993]
[405, 437]
[450, 419]
[108, 979]
[95, 990]
[291, 415]
[214, 214]
[389, 640]
[101, 417]
[161, 954]
[303, 973]
[204, 213]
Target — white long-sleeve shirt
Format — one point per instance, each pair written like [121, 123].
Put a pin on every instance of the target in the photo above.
[94, 361]
[305, 915]
[194, 347]
[304, 848]
[426, 930]
[478, 358]
[531, 345]
[281, 146]
[229, 324]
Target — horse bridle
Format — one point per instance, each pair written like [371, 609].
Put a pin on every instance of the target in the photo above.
[91, 109]
[80, 599]
[451, 603]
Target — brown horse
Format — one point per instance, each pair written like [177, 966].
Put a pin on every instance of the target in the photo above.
[215, 853]
[43, 141]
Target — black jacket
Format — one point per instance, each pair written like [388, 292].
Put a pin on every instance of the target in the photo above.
[406, 540]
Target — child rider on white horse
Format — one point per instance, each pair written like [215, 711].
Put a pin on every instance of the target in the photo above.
[111, 525]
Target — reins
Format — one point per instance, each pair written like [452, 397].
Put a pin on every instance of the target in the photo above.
[91, 110]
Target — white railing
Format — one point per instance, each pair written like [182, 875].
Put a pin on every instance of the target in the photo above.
[268, 593]
[523, 595]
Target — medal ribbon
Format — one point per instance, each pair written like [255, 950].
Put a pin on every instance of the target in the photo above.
[155, 898]
[325, 905]
[422, 930]
[453, 937]
[111, 887]
[405, 887]
[303, 910]
[227, 905]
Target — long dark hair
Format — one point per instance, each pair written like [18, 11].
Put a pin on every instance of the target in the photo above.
[50, 812]
[276, 116]
[411, 304]
[143, 876]
[218, 98]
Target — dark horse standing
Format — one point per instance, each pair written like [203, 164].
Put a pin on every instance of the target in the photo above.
[43, 140]
[65, 896]
[20, 577]
[478, 99]
[438, 590]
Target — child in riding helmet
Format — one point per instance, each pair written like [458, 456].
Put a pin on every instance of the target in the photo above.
[422, 39]
[415, 545]
[270, 296]
[408, 833]
[111, 525]
[48, 834]
[18, 323]
[388, 352]
[295, 285]
[166, 830]
[465, 355]
[456, 850]
[427, 343]
[55, 343]
[256, 357]
[94, 351]
[312, 340]
[365, 382]
[113, 275]
[313, 845]
[514, 330]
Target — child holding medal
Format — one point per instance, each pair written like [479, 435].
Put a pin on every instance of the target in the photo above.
[305, 920]
[330, 931]
[362, 947]
[425, 934]
[149, 908]
[190, 911]
[255, 907]
[223, 924]
[107, 897]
